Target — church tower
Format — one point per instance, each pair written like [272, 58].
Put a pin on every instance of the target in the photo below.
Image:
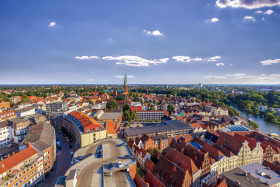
[125, 86]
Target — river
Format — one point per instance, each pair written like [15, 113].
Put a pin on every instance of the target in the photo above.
[263, 125]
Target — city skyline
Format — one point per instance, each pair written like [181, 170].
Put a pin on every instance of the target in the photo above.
[178, 42]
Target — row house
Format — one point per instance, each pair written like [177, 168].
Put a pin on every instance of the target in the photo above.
[202, 160]
[140, 154]
[184, 162]
[240, 147]
[9, 114]
[270, 146]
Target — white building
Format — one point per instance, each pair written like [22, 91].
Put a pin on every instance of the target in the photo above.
[25, 112]
[5, 134]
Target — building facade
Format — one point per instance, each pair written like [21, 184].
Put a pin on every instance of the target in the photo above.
[150, 115]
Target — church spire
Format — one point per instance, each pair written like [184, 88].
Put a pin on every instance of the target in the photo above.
[125, 80]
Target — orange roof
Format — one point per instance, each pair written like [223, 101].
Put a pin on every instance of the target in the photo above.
[110, 127]
[17, 158]
[85, 120]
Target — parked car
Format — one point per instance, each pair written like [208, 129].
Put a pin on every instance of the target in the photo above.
[111, 165]
[72, 154]
[119, 164]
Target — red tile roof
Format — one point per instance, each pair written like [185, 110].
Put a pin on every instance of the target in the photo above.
[152, 180]
[87, 121]
[169, 173]
[149, 165]
[16, 159]
[139, 181]
[181, 160]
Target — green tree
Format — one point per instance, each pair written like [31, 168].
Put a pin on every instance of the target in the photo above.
[270, 117]
[170, 108]
[126, 107]
[24, 99]
[254, 124]
[133, 115]
[152, 108]
[127, 116]
[90, 102]
[112, 104]
[169, 96]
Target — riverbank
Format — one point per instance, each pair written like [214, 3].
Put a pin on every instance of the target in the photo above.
[266, 127]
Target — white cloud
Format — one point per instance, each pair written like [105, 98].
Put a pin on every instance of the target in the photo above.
[153, 33]
[90, 80]
[259, 12]
[188, 59]
[214, 77]
[220, 64]
[268, 12]
[86, 57]
[214, 59]
[214, 20]
[52, 24]
[122, 76]
[249, 4]
[249, 18]
[270, 62]
[135, 61]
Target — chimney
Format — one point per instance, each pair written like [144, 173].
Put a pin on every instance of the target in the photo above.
[28, 145]
[13, 153]
[8, 155]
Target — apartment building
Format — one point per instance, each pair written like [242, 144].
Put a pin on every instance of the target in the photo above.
[19, 128]
[150, 115]
[42, 138]
[55, 107]
[84, 129]
[24, 168]
[5, 134]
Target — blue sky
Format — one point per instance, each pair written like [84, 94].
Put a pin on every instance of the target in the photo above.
[159, 41]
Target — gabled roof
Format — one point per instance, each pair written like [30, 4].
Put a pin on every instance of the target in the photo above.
[228, 141]
[152, 180]
[149, 165]
[15, 159]
[181, 160]
[169, 173]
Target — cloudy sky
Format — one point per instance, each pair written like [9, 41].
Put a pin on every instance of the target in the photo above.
[158, 41]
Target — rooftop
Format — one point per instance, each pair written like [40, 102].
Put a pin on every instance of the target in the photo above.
[261, 172]
[111, 115]
[161, 127]
[41, 135]
[15, 159]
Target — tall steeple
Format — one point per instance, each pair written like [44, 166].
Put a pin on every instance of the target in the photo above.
[125, 80]
[125, 86]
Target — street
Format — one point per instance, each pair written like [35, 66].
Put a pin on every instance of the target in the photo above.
[63, 161]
